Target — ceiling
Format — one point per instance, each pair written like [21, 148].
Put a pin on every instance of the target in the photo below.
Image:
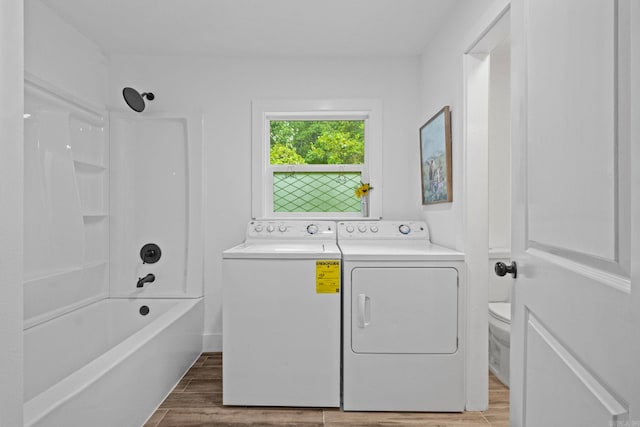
[256, 27]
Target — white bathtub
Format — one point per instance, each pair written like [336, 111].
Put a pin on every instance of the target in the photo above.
[106, 364]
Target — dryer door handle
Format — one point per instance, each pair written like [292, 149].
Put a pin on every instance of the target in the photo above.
[364, 311]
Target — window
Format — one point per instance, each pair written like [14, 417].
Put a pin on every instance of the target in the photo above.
[294, 145]
[310, 156]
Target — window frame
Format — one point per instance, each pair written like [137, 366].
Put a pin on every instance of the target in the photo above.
[264, 111]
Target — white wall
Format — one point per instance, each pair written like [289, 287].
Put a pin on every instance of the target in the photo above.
[222, 89]
[11, 177]
[442, 78]
[441, 83]
[60, 55]
[499, 168]
[500, 148]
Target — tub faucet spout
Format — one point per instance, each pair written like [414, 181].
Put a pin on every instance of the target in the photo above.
[146, 279]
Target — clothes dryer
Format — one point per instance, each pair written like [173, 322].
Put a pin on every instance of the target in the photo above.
[403, 317]
[281, 316]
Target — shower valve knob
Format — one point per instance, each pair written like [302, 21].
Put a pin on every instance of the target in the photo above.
[150, 253]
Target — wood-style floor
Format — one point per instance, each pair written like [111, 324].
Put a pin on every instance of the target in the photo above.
[197, 402]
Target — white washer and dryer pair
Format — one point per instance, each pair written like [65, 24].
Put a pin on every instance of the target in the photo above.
[402, 335]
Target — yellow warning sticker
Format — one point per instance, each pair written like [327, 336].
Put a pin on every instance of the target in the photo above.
[328, 276]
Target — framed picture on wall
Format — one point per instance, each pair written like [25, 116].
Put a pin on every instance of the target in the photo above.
[435, 158]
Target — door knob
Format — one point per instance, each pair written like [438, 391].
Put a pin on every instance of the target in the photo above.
[503, 269]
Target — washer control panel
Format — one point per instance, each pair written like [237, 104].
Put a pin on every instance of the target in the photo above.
[266, 229]
[383, 230]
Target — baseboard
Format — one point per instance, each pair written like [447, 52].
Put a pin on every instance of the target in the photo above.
[212, 342]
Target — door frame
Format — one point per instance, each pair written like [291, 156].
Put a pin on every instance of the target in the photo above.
[491, 31]
[634, 111]
[11, 212]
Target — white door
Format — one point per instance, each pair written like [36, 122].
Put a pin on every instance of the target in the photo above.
[575, 216]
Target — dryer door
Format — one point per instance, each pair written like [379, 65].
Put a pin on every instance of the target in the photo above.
[404, 310]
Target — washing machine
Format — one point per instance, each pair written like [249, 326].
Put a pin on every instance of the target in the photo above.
[403, 317]
[281, 316]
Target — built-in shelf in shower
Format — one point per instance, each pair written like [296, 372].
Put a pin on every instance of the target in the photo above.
[42, 275]
[88, 166]
[97, 215]
[51, 295]
[94, 264]
[91, 184]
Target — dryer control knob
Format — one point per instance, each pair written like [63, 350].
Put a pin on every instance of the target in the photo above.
[362, 228]
[258, 228]
[312, 229]
[404, 229]
[349, 228]
[270, 228]
[374, 228]
[282, 228]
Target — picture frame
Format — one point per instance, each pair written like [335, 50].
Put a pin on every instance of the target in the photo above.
[435, 158]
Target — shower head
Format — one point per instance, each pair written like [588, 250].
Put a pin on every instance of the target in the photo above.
[135, 100]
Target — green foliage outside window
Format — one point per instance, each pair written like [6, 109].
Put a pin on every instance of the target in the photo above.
[329, 142]
[284, 155]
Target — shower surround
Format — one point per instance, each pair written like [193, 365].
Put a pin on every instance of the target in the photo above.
[156, 171]
[98, 186]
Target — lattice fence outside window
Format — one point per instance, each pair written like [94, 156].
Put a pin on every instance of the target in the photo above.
[315, 192]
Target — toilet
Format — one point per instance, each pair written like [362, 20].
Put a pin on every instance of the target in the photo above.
[499, 339]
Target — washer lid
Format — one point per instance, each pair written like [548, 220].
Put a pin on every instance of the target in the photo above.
[284, 250]
[501, 311]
